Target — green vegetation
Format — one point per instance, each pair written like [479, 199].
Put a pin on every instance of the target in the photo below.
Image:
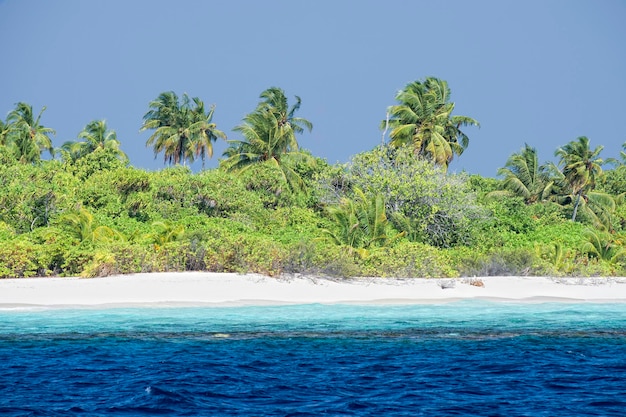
[269, 136]
[96, 135]
[273, 208]
[423, 120]
[182, 131]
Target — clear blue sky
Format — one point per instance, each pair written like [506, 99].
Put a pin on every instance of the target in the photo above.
[537, 71]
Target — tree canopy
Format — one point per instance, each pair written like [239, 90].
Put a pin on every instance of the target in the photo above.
[269, 136]
[183, 129]
[25, 136]
[423, 120]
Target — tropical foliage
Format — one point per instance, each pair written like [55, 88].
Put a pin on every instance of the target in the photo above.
[572, 185]
[96, 135]
[581, 167]
[269, 136]
[80, 224]
[604, 246]
[182, 129]
[421, 200]
[24, 135]
[525, 177]
[423, 120]
[273, 208]
[361, 223]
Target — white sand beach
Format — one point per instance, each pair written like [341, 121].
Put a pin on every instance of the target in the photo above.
[201, 288]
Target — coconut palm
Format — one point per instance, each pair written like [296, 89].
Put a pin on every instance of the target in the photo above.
[269, 136]
[203, 132]
[27, 137]
[581, 167]
[276, 102]
[423, 120]
[524, 177]
[4, 132]
[183, 130]
[598, 207]
[96, 135]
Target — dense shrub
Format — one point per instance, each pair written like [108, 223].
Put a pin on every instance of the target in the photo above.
[32, 195]
[505, 262]
[409, 259]
[97, 216]
[17, 259]
[320, 258]
[430, 206]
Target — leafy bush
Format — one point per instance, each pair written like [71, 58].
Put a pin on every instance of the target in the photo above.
[318, 257]
[17, 259]
[440, 208]
[32, 195]
[409, 259]
[503, 262]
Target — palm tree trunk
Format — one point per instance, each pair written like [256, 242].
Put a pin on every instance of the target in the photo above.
[576, 205]
[382, 142]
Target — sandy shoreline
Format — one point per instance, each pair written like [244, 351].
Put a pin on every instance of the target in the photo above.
[202, 288]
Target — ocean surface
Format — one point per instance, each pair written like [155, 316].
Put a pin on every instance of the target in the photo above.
[470, 358]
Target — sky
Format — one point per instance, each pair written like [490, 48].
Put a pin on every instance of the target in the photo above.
[542, 72]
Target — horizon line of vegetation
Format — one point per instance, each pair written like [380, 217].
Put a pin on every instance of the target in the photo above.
[391, 210]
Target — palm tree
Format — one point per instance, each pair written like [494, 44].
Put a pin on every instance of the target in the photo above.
[165, 232]
[598, 207]
[524, 177]
[361, 223]
[622, 154]
[96, 135]
[276, 102]
[423, 120]
[81, 225]
[26, 135]
[4, 132]
[581, 167]
[182, 131]
[269, 134]
[603, 246]
[203, 132]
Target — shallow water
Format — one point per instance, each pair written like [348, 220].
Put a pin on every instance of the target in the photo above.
[466, 358]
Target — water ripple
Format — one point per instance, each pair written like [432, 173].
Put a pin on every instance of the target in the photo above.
[566, 360]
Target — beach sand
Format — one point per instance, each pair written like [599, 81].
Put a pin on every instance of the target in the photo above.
[203, 288]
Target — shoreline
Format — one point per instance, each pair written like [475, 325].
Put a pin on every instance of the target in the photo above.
[179, 289]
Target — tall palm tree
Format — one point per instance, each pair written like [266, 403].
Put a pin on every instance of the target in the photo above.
[523, 176]
[269, 135]
[182, 130]
[96, 135]
[203, 132]
[27, 135]
[598, 207]
[276, 102]
[581, 167]
[423, 120]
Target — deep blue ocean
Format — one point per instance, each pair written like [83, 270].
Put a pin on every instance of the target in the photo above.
[469, 358]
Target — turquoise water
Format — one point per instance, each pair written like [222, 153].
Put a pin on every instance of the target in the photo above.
[466, 358]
